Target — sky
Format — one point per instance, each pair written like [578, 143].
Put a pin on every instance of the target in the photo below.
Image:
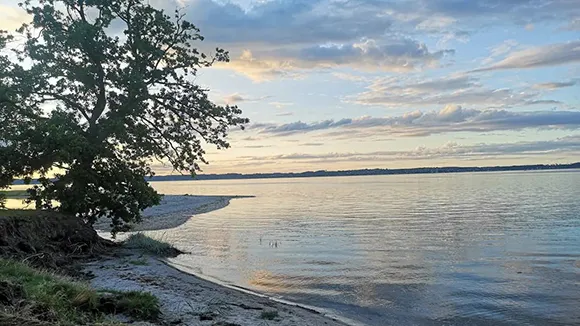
[349, 84]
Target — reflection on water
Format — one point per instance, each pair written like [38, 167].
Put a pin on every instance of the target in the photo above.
[455, 249]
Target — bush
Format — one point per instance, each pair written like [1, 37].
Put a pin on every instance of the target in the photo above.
[269, 314]
[151, 246]
[140, 305]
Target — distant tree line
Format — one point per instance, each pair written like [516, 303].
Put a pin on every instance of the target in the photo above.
[362, 172]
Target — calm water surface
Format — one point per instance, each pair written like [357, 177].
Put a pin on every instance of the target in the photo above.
[447, 249]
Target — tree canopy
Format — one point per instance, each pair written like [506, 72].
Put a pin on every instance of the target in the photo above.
[94, 92]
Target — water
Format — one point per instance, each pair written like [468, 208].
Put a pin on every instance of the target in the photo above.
[447, 249]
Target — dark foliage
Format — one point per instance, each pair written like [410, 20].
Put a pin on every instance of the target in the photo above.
[93, 93]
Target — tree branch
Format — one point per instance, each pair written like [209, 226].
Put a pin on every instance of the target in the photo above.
[179, 114]
[162, 135]
[66, 101]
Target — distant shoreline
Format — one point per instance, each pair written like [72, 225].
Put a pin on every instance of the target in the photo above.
[359, 172]
[363, 172]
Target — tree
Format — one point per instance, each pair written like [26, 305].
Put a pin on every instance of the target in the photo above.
[99, 90]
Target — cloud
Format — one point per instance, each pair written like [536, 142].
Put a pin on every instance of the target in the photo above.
[500, 12]
[312, 144]
[236, 98]
[440, 84]
[257, 146]
[450, 119]
[556, 85]
[436, 23]
[287, 39]
[543, 102]
[250, 138]
[573, 25]
[12, 17]
[349, 77]
[280, 105]
[335, 31]
[543, 56]
[284, 114]
[395, 55]
[500, 50]
[299, 126]
[348, 19]
[319, 21]
[260, 69]
[458, 89]
[275, 39]
[285, 22]
[451, 150]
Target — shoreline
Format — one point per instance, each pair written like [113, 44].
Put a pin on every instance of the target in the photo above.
[316, 310]
[188, 298]
[173, 211]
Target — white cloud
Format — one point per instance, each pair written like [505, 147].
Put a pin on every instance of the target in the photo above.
[273, 39]
[260, 70]
[542, 56]
[457, 89]
[234, 98]
[280, 105]
[349, 77]
[451, 150]
[12, 17]
[500, 50]
[450, 119]
[556, 85]
[237, 98]
[436, 23]
[396, 55]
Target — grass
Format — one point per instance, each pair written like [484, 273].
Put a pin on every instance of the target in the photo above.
[59, 297]
[151, 246]
[269, 314]
[139, 262]
[140, 305]
[33, 297]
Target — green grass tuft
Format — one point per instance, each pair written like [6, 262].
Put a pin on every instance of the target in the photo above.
[140, 305]
[139, 262]
[151, 246]
[63, 299]
[269, 314]
[33, 297]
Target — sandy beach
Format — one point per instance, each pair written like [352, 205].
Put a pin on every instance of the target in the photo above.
[173, 211]
[187, 299]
